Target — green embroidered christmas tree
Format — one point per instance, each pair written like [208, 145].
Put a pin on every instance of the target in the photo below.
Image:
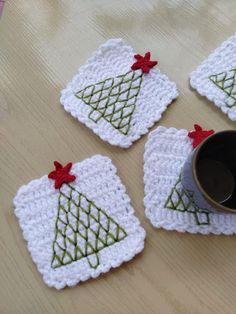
[82, 229]
[182, 201]
[226, 81]
[113, 99]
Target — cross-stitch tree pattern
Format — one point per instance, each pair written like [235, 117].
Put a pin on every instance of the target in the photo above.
[182, 201]
[226, 81]
[113, 99]
[82, 229]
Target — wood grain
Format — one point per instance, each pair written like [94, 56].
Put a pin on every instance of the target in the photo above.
[42, 44]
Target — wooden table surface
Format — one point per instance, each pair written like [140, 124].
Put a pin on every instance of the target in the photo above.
[42, 43]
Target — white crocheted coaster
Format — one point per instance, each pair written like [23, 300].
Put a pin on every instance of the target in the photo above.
[80, 227]
[167, 204]
[215, 77]
[117, 94]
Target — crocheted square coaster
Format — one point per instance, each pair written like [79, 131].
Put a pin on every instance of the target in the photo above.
[167, 204]
[215, 77]
[81, 224]
[117, 94]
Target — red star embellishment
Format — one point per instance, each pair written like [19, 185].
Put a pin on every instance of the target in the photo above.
[143, 63]
[61, 174]
[198, 135]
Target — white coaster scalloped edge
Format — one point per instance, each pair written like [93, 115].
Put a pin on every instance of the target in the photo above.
[81, 230]
[108, 72]
[215, 78]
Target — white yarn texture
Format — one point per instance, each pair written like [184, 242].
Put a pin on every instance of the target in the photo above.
[165, 153]
[37, 206]
[111, 59]
[222, 60]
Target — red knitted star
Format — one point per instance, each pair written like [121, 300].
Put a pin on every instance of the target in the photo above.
[143, 63]
[198, 135]
[61, 174]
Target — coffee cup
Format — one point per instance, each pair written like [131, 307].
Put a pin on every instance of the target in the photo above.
[209, 173]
